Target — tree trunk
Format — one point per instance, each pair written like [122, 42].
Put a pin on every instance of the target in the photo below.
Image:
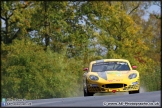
[46, 26]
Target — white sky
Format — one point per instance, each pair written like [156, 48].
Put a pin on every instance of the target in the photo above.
[152, 9]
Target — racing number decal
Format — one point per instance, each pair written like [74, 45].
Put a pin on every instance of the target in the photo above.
[130, 87]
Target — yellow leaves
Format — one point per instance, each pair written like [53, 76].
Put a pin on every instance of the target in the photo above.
[64, 3]
[137, 27]
[96, 34]
[111, 9]
[27, 23]
[62, 11]
[139, 42]
[115, 56]
[133, 29]
[5, 6]
[127, 43]
[13, 19]
[19, 24]
[145, 48]
[131, 22]
[128, 20]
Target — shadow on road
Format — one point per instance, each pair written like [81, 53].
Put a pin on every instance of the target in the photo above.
[142, 90]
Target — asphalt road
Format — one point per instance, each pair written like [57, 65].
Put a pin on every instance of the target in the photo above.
[100, 100]
[153, 97]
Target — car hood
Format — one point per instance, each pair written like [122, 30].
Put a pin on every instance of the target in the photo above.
[114, 75]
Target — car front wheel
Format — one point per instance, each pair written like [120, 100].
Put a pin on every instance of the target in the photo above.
[86, 92]
[133, 92]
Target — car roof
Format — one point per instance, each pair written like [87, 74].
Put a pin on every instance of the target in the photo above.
[105, 60]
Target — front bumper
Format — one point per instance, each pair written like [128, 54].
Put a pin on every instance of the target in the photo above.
[110, 87]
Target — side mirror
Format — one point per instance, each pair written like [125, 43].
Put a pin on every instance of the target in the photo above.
[85, 69]
[134, 67]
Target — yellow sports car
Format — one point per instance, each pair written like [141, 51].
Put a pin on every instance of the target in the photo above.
[110, 75]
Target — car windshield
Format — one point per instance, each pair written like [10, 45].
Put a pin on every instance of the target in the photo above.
[110, 66]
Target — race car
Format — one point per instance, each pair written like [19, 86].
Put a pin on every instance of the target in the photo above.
[110, 75]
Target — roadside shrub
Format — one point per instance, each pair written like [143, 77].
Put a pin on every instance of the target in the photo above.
[30, 72]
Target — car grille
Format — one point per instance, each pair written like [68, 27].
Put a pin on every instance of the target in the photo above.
[94, 89]
[115, 85]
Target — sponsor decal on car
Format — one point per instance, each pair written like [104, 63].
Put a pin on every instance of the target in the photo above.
[118, 72]
[130, 87]
[115, 80]
[113, 72]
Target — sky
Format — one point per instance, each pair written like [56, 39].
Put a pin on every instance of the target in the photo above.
[152, 9]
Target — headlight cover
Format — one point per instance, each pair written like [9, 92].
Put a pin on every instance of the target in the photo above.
[133, 75]
[93, 77]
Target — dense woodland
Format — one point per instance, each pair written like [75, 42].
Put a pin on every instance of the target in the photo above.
[46, 44]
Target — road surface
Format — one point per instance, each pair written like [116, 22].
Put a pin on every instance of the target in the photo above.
[154, 97]
[148, 99]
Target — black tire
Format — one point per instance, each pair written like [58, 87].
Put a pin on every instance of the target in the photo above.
[133, 92]
[86, 93]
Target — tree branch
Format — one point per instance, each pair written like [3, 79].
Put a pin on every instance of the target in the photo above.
[10, 15]
[2, 18]
[15, 35]
[3, 31]
[109, 31]
[29, 29]
[11, 23]
[134, 9]
[109, 3]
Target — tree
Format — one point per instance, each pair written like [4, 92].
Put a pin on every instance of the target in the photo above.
[16, 16]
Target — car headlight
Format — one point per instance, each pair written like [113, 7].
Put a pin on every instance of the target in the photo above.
[133, 75]
[93, 77]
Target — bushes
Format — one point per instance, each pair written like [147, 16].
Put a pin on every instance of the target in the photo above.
[151, 80]
[30, 72]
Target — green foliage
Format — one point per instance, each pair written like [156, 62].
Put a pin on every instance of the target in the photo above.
[17, 17]
[152, 79]
[30, 72]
